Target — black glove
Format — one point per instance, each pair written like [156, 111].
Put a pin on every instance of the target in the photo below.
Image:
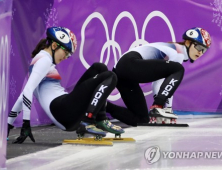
[25, 132]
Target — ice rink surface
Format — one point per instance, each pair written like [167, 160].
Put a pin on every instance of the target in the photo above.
[203, 139]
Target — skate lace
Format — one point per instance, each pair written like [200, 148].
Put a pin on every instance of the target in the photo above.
[90, 126]
[109, 124]
[169, 110]
[93, 127]
[156, 106]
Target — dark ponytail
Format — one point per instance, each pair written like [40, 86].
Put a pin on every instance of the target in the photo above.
[181, 43]
[43, 43]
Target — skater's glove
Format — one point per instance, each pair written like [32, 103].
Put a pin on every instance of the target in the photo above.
[25, 132]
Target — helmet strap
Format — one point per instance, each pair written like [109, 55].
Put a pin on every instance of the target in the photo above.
[53, 54]
[188, 52]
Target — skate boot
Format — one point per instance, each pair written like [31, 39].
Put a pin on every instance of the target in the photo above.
[161, 120]
[169, 110]
[158, 112]
[107, 126]
[9, 128]
[153, 120]
[88, 128]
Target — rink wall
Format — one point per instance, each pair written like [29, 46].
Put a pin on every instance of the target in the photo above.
[5, 41]
[106, 29]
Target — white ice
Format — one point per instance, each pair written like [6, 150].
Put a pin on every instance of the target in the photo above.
[203, 135]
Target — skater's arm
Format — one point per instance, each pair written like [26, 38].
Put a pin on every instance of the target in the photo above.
[39, 71]
[16, 109]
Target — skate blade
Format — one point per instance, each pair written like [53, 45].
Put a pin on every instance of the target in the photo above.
[88, 141]
[170, 125]
[116, 139]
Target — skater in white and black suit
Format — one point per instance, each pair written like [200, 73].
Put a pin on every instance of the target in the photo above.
[149, 63]
[85, 103]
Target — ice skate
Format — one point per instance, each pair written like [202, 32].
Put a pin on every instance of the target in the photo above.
[87, 128]
[157, 111]
[162, 117]
[169, 110]
[163, 120]
[153, 120]
[107, 126]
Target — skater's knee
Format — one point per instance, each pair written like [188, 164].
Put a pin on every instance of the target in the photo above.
[181, 68]
[112, 76]
[178, 67]
[100, 66]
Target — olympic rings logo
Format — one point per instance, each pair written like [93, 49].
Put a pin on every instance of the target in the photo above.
[4, 72]
[112, 43]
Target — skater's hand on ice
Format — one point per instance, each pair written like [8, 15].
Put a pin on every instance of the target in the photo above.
[23, 135]
[25, 132]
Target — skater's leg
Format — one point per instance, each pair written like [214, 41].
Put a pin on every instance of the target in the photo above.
[156, 87]
[75, 105]
[168, 105]
[96, 109]
[94, 70]
[132, 68]
[169, 85]
[133, 97]
[101, 115]
[101, 119]
[166, 91]
[101, 93]
[122, 114]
